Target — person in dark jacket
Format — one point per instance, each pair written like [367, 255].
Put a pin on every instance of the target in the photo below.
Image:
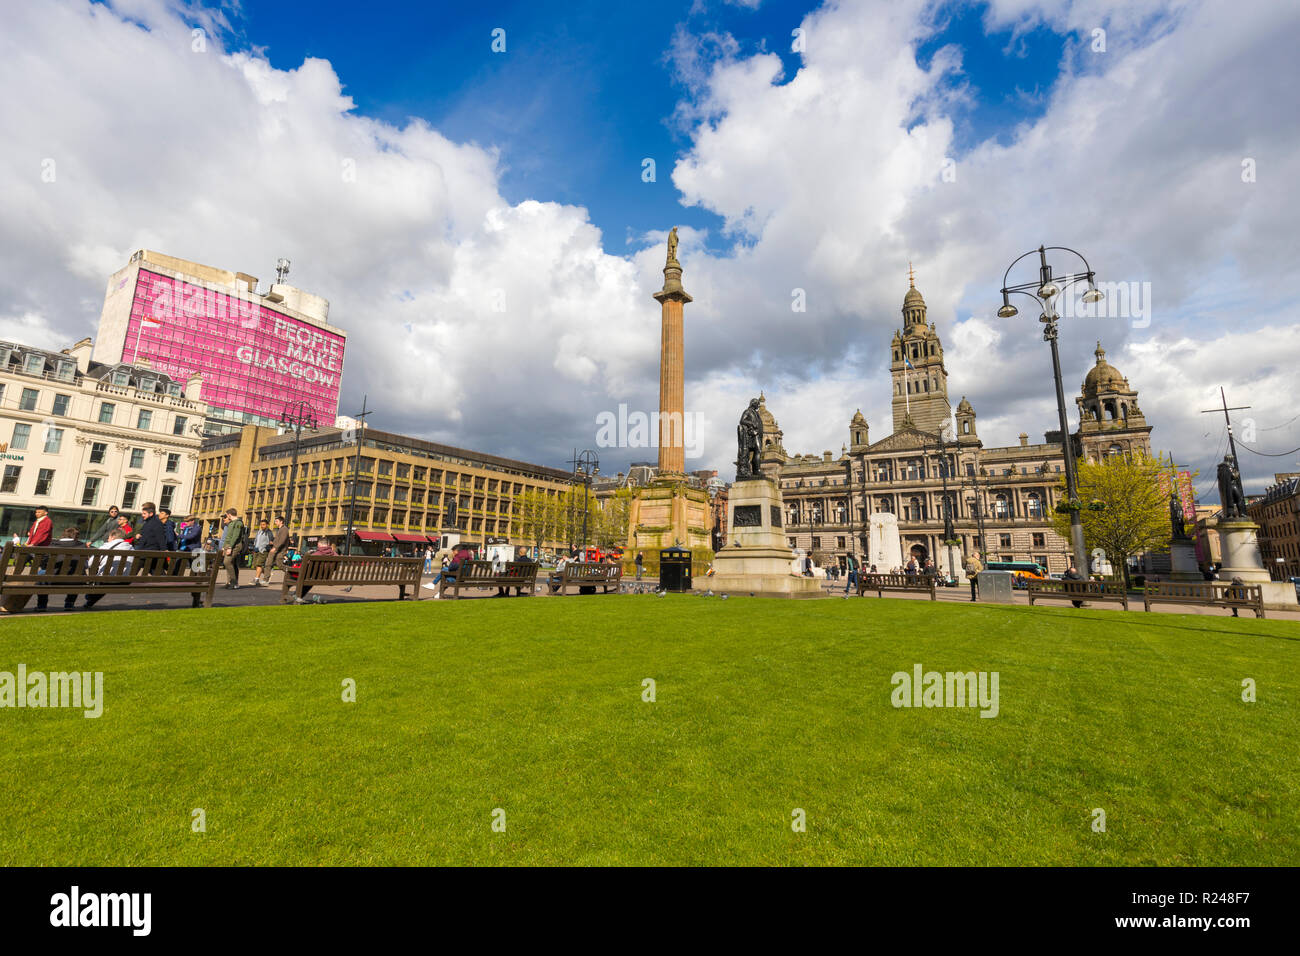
[153, 536]
[169, 527]
[1072, 574]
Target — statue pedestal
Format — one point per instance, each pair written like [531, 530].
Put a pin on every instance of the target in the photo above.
[1241, 559]
[1182, 561]
[885, 549]
[668, 513]
[756, 559]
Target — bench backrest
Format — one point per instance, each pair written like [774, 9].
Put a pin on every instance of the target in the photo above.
[598, 573]
[359, 569]
[1053, 586]
[1206, 591]
[20, 564]
[475, 572]
[917, 581]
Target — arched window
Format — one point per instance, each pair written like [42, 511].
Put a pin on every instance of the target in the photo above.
[965, 428]
[1115, 449]
[1034, 505]
[1001, 507]
[885, 505]
[915, 510]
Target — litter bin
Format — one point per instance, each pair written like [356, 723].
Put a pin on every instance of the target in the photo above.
[675, 569]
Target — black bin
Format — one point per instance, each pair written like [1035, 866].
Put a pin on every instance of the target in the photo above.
[675, 569]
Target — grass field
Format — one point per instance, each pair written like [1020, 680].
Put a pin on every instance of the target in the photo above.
[535, 707]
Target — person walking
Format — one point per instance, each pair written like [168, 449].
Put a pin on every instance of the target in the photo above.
[100, 534]
[41, 533]
[152, 536]
[1072, 574]
[129, 534]
[973, 568]
[169, 527]
[851, 578]
[640, 564]
[276, 551]
[232, 546]
[261, 547]
[189, 537]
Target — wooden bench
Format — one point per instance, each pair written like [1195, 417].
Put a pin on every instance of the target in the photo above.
[349, 570]
[26, 571]
[881, 583]
[1205, 594]
[479, 574]
[1097, 592]
[605, 576]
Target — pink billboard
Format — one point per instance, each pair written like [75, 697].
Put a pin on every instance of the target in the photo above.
[252, 359]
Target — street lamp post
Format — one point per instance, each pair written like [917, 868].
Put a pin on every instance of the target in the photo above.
[356, 469]
[296, 416]
[1044, 291]
[585, 464]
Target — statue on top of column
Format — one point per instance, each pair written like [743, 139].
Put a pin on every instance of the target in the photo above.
[672, 245]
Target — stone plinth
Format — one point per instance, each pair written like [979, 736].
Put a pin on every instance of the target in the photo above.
[950, 563]
[994, 587]
[1241, 559]
[1182, 562]
[668, 513]
[756, 559]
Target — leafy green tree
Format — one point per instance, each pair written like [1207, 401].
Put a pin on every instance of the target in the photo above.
[1123, 510]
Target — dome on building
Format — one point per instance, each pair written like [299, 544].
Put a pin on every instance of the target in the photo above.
[913, 299]
[858, 418]
[965, 406]
[1103, 374]
[768, 419]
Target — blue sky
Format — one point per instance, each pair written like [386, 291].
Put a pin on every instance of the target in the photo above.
[585, 90]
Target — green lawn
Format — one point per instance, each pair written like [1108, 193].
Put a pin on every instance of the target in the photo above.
[535, 706]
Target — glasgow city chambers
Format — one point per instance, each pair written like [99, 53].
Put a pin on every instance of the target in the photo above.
[1001, 498]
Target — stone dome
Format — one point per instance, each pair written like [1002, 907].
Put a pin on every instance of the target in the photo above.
[965, 406]
[1103, 374]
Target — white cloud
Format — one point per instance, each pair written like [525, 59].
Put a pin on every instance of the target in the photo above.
[508, 327]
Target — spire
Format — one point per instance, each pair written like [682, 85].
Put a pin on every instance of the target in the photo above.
[911, 274]
[1100, 353]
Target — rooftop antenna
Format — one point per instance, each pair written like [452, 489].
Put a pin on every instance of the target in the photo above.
[281, 270]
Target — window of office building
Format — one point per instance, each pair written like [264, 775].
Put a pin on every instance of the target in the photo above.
[44, 479]
[22, 432]
[53, 440]
[130, 494]
[1039, 539]
[34, 364]
[61, 403]
[144, 421]
[28, 401]
[173, 462]
[137, 457]
[90, 493]
[1004, 541]
[97, 452]
[165, 500]
[178, 426]
[106, 410]
[9, 484]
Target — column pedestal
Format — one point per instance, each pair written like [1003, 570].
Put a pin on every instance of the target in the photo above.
[1182, 561]
[1241, 559]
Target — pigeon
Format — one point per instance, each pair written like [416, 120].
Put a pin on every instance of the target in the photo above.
[724, 597]
[709, 594]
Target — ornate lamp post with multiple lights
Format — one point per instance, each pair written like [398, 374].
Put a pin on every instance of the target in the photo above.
[1044, 292]
[296, 417]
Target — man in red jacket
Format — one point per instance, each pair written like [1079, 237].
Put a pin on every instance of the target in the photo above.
[42, 531]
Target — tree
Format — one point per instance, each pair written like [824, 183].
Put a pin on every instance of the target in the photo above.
[1123, 510]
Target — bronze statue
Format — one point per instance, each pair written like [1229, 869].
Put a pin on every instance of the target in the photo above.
[1230, 492]
[749, 442]
[672, 244]
[1177, 518]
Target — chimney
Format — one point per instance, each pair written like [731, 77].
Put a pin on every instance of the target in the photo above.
[1024, 440]
[81, 352]
[193, 386]
[826, 456]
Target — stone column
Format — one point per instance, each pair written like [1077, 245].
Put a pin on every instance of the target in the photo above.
[672, 451]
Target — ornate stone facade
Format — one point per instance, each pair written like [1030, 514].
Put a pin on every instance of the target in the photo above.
[1001, 498]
